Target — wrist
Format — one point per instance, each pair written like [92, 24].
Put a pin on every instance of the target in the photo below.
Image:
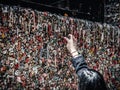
[74, 53]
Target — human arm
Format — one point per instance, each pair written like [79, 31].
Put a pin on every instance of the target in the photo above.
[88, 79]
[77, 59]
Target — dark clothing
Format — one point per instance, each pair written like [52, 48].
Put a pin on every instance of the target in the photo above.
[79, 64]
[88, 79]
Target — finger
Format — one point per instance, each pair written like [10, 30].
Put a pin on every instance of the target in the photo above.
[66, 39]
[74, 39]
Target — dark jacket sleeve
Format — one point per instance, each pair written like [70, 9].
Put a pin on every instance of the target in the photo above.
[79, 63]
